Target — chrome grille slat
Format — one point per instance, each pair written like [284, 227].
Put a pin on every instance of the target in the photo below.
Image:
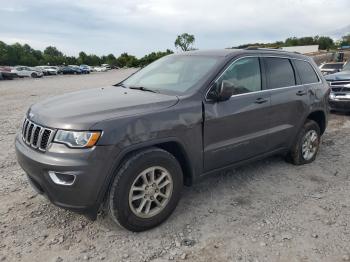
[39, 139]
[26, 132]
[32, 134]
[30, 131]
[37, 136]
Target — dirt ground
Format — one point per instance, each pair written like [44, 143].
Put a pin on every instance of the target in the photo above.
[266, 211]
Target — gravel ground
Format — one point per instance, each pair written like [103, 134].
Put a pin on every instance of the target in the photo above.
[266, 211]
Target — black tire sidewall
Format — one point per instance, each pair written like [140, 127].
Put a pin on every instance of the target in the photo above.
[119, 195]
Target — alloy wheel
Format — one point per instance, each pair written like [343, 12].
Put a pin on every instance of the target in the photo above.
[310, 145]
[150, 192]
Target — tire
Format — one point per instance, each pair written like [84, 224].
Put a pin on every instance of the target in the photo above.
[124, 212]
[297, 155]
[33, 75]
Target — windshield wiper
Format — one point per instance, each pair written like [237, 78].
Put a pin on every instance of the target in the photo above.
[121, 84]
[142, 88]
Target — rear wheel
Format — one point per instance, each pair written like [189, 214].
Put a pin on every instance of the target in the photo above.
[307, 144]
[145, 190]
[34, 75]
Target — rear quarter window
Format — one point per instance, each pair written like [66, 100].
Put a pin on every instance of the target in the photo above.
[306, 72]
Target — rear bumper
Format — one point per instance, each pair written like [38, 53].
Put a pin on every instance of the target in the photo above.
[90, 166]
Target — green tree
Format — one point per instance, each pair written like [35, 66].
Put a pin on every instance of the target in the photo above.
[83, 58]
[324, 42]
[147, 59]
[345, 40]
[184, 41]
[308, 40]
[291, 41]
[127, 60]
[52, 51]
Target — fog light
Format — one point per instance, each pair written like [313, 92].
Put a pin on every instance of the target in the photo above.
[62, 178]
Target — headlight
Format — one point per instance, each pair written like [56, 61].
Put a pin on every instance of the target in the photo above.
[77, 139]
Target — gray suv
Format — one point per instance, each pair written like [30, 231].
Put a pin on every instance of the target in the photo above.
[130, 148]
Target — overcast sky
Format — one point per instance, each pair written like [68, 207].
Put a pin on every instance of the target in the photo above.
[142, 26]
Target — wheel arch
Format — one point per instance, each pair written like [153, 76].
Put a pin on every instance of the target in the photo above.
[320, 118]
[171, 145]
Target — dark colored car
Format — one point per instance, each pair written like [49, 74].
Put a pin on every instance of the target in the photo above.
[85, 69]
[6, 74]
[130, 148]
[339, 98]
[70, 70]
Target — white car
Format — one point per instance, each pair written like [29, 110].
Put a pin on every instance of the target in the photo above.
[25, 71]
[48, 70]
[100, 69]
[106, 66]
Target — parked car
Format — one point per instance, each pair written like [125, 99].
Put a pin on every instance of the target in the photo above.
[106, 66]
[331, 68]
[25, 71]
[6, 74]
[339, 98]
[92, 69]
[48, 70]
[85, 69]
[131, 147]
[70, 70]
[100, 69]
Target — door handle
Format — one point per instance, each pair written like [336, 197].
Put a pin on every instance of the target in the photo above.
[301, 93]
[260, 100]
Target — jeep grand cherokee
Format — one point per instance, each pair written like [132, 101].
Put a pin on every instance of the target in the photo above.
[130, 148]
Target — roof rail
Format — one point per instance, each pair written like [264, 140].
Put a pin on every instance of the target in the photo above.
[269, 49]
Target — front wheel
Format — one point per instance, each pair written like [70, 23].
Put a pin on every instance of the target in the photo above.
[307, 144]
[145, 190]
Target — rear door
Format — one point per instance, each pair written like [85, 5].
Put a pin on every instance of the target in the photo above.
[289, 100]
[237, 129]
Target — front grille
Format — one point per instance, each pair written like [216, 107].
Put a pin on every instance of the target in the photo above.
[36, 136]
[339, 83]
[340, 89]
[339, 86]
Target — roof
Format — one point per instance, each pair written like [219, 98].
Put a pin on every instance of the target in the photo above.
[212, 52]
[232, 52]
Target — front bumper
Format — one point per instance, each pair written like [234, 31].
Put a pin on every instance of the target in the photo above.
[339, 105]
[90, 166]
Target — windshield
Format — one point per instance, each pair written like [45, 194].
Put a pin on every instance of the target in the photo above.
[172, 74]
[346, 67]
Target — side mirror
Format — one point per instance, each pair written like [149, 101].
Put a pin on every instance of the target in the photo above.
[224, 91]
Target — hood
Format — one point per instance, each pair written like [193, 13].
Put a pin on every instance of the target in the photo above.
[343, 75]
[81, 110]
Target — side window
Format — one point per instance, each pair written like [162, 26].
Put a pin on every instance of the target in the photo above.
[306, 72]
[244, 74]
[280, 72]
